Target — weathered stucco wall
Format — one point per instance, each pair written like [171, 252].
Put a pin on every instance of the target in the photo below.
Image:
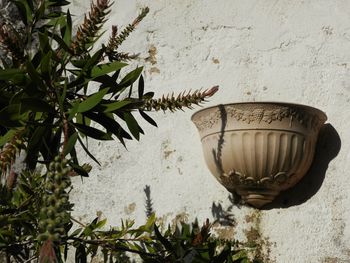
[295, 51]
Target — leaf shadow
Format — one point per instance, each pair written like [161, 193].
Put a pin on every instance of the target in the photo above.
[224, 216]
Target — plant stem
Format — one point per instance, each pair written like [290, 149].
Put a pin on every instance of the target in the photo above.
[78, 222]
[65, 134]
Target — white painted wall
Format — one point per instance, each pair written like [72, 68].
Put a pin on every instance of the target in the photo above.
[294, 51]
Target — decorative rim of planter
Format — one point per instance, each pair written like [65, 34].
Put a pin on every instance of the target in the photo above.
[276, 139]
[286, 104]
[262, 102]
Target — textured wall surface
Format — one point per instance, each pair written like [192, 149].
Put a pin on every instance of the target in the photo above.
[294, 51]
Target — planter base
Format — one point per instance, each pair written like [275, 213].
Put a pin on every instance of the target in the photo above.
[257, 197]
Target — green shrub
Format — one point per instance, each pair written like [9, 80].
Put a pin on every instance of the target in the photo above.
[47, 107]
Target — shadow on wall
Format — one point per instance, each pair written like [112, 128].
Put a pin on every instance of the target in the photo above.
[148, 201]
[224, 216]
[327, 148]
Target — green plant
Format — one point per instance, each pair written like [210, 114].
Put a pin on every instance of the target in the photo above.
[48, 105]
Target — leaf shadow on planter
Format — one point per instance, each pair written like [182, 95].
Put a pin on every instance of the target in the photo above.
[327, 148]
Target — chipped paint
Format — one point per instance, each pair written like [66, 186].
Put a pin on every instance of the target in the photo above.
[130, 208]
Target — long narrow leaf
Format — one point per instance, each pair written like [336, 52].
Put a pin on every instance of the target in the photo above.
[131, 77]
[87, 151]
[113, 106]
[148, 118]
[93, 132]
[109, 124]
[35, 105]
[34, 75]
[92, 101]
[103, 69]
[71, 143]
[132, 125]
[162, 239]
[67, 37]
[79, 170]
[141, 87]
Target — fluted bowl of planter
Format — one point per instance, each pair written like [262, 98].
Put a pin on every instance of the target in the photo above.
[258, 149]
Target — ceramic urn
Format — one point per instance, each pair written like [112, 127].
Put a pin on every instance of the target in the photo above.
[258, 149]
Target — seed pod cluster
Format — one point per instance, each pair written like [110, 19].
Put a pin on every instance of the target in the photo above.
[88, 31]
[54, 213]
[116, 39]
[183, 100]
[11, 43]
[8, 153]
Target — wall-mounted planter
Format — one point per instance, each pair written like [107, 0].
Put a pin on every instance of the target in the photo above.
[258, 149]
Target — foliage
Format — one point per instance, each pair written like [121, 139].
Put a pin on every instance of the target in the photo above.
[45, 91]
[185, 243]
[48, 107]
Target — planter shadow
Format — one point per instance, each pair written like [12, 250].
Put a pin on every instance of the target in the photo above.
[327, 148]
